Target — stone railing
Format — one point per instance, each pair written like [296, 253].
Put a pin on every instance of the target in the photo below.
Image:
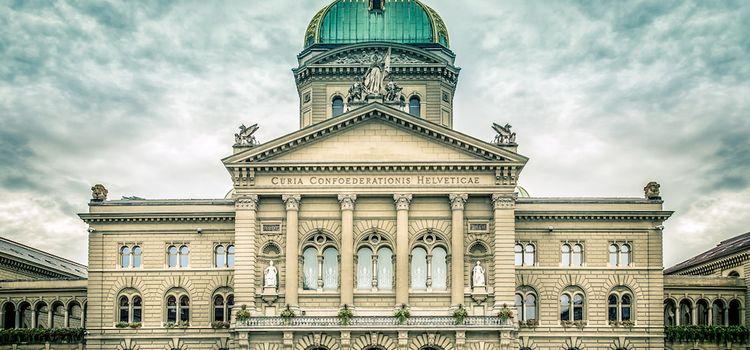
[377, 321]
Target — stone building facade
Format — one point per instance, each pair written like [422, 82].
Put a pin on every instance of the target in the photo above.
[376, 206]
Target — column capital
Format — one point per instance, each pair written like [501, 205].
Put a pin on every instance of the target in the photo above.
[458, 200]
[347, 201]
[291, 201]
[249, 202]
[402, 201]
[504, 200]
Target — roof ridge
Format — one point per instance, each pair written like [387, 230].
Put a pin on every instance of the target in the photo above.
[42, 252]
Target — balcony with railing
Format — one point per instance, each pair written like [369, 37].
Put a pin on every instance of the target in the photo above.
[379, 322]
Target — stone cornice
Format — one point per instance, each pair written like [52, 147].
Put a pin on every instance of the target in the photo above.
[22, 266]
[156, 217]
[524, 215]
[723, 263]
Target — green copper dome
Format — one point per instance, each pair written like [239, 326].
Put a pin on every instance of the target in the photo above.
[356, 21]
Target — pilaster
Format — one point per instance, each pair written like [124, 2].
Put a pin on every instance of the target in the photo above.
[347, 247]
[504, 205]
[458, 202]
[291, 282]
[402, 202]
[244, 241]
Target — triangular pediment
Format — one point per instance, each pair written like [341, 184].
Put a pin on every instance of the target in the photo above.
[376, 134]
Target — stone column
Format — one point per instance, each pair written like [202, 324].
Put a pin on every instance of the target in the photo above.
[402, 247]
[291, 282]
[457, 244]
[244, 242]
[505, 231]
[347, 248]
[18, 318]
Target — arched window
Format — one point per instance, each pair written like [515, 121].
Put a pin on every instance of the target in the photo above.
[172, 309]
[310, 268]
[42, 314]
[415, 106]
[686, 312]
[519, 254]
[572, 305]
[620, 305]
[670, 313]
[320, 263]
[124, 257]
[577, 255]
[25, 312]
[364, 268]
[220, 255]
[702, 316]
[137, 308]
[418, 268]
[223, 304]
[129, 307]
[385, 268]
[330, 269]
[230, 255]
[625, 255]
[75, 315]
[734, 274]
[124, 315]
[337, 106]
[526, 304]
[718, 311]
[184, 308]
[734, 312]
[9, 318]
[184, 257]
[172, 256]
[529, 256]
[613, 250]
[439, 269]
[137, 255]
[565, 251]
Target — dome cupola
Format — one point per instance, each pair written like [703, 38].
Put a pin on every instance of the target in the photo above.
[357, 21]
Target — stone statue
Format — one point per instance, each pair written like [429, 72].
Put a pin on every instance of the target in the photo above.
[98, 193]
[270, 275]
[392, 92]
[373, 80]
[504, 135]
[652, 190]
[245, 137]
[355, 93]
[478, 276]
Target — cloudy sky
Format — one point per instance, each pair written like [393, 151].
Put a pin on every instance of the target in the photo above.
[144, 97]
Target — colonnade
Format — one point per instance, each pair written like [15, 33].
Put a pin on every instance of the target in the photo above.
[504, 223]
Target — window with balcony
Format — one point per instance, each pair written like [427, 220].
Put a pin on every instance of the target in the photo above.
[320, 263]
[429, 266]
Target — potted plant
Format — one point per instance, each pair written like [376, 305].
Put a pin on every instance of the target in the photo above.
[169, 324]
[217, 324]
[505, 313]
[460, 314]
[345, 315]
[287, 314]
[121, 325]
[243, 314]
[184, 324]
[135, 325]
[402, 314]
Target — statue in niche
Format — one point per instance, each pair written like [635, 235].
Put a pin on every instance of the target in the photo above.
[504, 135]
[245, 136]
[98, 193]
[373, 80]
[271, 272]
[478, 276]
